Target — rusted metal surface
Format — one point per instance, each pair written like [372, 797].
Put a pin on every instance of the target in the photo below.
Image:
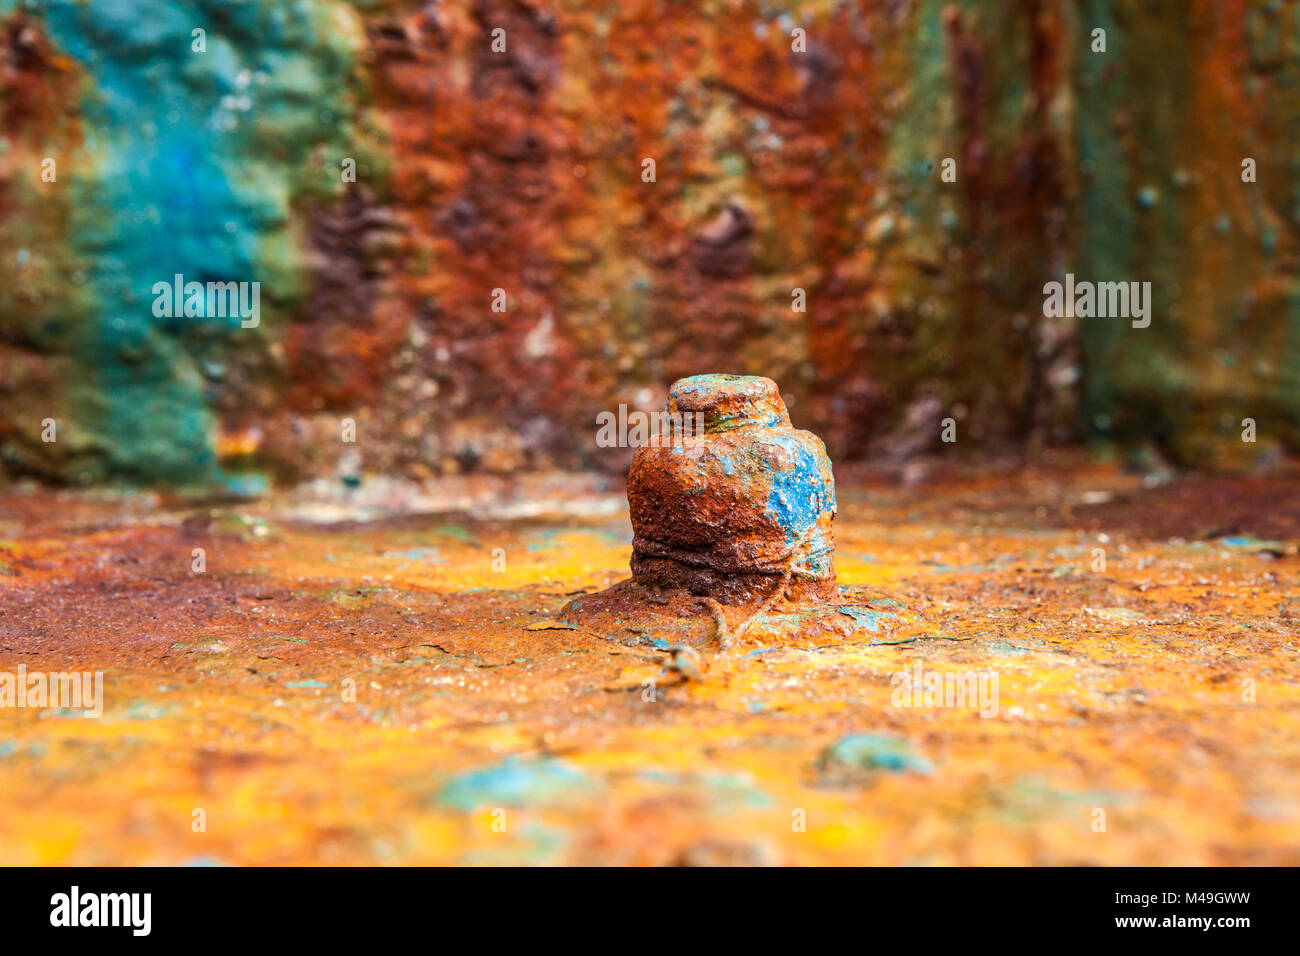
[783, 169]
[1158, 684]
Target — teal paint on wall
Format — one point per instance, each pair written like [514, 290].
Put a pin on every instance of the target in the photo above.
[190, 163]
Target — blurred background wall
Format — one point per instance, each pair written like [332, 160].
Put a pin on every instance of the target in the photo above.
[775, 170]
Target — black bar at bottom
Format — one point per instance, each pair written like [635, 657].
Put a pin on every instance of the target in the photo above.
[299, 907]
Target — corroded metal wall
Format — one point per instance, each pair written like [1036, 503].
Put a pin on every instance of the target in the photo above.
[782, 162]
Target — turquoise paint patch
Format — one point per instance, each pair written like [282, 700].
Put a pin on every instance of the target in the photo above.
[187, 166]
[517, 782]
[143, 710]
[1003, 649]
[247, 485]
[869, 618]
[1250, 541]
[155, 206]
[874, 752]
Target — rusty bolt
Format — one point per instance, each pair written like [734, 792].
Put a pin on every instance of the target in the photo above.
[739, 510]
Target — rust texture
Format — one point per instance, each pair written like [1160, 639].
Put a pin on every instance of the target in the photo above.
[729, 512]
[1162, 687]
[781, 168]
[355, 574]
